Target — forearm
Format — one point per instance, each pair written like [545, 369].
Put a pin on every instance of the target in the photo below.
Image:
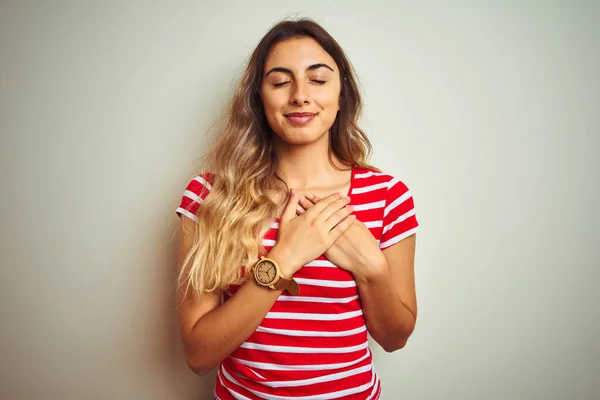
[389, 321]
[222, 330]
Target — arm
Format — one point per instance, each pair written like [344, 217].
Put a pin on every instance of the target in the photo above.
[388, 295]
[211, 331]
[384, 271]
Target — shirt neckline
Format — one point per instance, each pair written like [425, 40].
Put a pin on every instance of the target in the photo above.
[349, 194]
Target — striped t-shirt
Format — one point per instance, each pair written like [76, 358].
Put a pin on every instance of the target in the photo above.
[314, 345]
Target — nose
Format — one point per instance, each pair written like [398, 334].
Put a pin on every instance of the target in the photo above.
[299, 95]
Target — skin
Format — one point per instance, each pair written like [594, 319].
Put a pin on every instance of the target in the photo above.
[385, 280]
[315, 220]
[300, 77]
[311, 84]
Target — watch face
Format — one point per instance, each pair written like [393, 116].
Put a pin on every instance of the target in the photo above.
[265, 272]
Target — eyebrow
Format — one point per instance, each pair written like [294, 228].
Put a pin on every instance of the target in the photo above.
[288, 71]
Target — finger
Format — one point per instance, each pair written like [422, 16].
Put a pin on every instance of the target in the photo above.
[338, 216]
[300, 210]
[362, 225]
[342, 227]
[321, 205]
[332, 207]
[306, 203]
[290, 208]
[313, 198]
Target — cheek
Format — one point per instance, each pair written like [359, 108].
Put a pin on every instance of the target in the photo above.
[272, 111]
[268, 107]
[330, 105]
[330, 99]
[272, 103]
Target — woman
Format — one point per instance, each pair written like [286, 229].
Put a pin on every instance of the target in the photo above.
[292, 245]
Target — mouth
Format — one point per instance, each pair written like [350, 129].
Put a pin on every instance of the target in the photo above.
[300, 118]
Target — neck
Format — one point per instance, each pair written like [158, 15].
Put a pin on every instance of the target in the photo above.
[307, 166]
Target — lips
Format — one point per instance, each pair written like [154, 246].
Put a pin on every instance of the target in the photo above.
[300, 118]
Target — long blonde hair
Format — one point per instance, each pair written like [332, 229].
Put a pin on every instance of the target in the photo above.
[243, 166]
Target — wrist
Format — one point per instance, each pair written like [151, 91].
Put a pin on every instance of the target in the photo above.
[282, 256]
[372, 271]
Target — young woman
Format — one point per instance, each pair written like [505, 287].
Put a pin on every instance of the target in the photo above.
[293, 248]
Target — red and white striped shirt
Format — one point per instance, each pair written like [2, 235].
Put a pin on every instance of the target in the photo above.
[314, 345]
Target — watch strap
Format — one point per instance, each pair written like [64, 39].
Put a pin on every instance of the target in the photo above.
[287, 284]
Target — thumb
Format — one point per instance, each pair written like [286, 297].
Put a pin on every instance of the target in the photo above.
[290, 208]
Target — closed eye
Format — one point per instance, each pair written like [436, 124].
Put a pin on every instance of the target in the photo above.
[317, 81]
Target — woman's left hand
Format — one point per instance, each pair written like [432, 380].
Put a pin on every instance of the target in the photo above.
[356, 250]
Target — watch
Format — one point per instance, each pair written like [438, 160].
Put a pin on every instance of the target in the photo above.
[268, 274]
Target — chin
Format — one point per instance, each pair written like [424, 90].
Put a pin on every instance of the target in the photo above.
[300, 137]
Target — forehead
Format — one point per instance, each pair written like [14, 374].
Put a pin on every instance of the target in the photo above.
[297, 54]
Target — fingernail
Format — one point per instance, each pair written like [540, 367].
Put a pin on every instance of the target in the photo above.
[347, 198]
[292, 192]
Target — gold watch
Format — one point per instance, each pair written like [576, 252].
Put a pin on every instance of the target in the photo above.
[267, 273]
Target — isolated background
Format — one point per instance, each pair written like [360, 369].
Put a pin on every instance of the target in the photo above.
[487, 110]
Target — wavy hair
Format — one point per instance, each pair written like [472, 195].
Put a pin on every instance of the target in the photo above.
[236, 214]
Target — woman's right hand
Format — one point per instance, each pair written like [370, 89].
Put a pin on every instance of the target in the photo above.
[303, 238]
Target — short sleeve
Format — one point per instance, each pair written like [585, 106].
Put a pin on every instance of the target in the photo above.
[193, 195]
[399, 218]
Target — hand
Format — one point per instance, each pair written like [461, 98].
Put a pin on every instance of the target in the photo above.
[303, 238]
[356, 250]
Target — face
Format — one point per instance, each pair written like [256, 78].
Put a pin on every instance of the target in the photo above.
[300, 90]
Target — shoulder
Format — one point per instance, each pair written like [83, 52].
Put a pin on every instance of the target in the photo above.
[200, 184]
[394, 198]
[379, 182]
[194, 193]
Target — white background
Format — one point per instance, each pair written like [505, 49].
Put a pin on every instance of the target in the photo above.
[488, 111]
